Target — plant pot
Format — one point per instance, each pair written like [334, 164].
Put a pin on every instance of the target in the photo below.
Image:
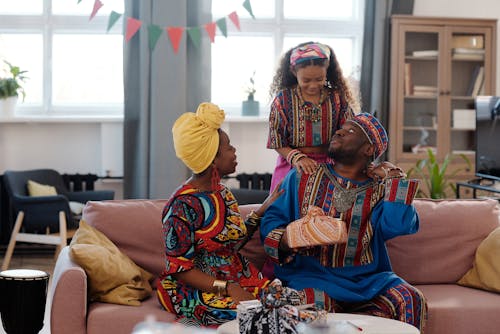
[250, 108]
[8, 106]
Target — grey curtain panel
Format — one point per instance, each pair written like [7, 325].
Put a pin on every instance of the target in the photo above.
[159, 86]
[375, 63]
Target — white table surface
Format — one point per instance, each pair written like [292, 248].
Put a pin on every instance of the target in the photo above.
[341, 323]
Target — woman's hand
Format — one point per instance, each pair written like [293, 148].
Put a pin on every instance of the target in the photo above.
[277, 192]
[237, 293]
[306, 165]
[384, 171]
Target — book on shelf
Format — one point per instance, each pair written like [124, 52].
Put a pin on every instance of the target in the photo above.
[464, 119]
[425, 53]
[478, 82]
[425, 88]
[468, 51]
[408, 88]
[475, 80]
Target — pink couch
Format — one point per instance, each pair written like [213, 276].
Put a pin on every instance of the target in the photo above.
[433, 259]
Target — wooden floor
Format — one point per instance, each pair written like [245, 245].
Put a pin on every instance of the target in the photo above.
[30, 259]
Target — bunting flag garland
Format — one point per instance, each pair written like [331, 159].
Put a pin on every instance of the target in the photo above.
[195, 36]
[235, 19]
[210, 28]
[175, 34]
[113, 17]
[154, 33]
[221, 23]
[248, 7]
[132, 26]
[97, 5]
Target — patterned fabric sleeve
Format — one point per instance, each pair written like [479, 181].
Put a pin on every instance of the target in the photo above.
[180, 221]
[272, 242]
[401, 190]
[277, 137]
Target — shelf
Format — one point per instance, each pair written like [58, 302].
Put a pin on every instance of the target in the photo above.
[421, 58]
[421, 97]
[419, 128]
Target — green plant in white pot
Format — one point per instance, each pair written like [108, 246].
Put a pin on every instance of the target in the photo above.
[436, 177]
[11, 87]
[250, 107]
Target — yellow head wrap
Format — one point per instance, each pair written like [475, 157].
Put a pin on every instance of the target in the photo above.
[196, 137]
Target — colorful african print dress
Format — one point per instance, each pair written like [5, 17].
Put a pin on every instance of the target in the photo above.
[296, 123]
[355, 276]
[203, 230]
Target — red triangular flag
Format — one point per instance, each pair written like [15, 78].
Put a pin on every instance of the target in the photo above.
[97, 5]
[132, 26]
[235, 19]
[175, 35]
[210, 28]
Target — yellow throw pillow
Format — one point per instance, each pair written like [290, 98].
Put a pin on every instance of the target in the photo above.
[38, 189]
[485, 273]
[113, 276]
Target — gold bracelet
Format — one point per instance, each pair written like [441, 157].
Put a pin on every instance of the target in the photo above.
[253, 215]
[221, 287]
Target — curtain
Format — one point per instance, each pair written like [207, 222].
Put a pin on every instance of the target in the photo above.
[375, 70]
[159, 86]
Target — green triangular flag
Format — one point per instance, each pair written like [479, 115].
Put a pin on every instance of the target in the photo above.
[221, 23]
[195, 35]
[248, 7]
[113, 17]
[154, 33]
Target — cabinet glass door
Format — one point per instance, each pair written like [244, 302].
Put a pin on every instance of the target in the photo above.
[468, 52]
[420, 103]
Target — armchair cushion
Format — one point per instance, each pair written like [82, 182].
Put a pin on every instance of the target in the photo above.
[38, 189]
[113, 276]
[485, 273]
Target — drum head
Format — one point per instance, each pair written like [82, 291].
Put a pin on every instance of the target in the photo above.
[23, 273]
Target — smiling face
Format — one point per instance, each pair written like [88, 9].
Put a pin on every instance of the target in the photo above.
[349, 144]
[311, 79]
[225, 160]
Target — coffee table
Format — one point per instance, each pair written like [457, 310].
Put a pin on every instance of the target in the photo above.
[346, 323]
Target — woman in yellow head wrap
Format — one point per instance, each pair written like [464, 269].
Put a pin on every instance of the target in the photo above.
[205, 277]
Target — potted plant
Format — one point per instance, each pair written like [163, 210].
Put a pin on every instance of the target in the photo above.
[11, 87]
[435, 176]
[250, 107]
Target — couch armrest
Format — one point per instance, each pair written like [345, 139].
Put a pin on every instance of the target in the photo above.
[68, 297]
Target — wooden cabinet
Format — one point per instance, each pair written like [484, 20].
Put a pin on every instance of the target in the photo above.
[438, 66]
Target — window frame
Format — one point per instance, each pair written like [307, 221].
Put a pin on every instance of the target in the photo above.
[47, 24]
[279, 28]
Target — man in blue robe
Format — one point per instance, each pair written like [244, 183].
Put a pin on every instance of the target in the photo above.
[355, 276]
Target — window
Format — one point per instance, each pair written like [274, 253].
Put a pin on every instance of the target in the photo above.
[75, 67]
[278, 26]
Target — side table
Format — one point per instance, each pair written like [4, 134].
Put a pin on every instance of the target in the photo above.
[346, 323]
[22, 304]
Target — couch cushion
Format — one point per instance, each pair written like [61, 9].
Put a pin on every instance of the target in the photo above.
[118, 319]
[485, 274]
[113, 276]
[460, 310]
[38, 189]
[134, 226]
[443, 249]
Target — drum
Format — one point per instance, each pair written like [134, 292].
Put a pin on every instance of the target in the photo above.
[23, 294]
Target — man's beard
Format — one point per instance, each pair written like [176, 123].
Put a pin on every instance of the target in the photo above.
[345, 157]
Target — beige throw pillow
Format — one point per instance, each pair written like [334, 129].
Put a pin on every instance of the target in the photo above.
[113, 276]
[38, 189]
[485, 273]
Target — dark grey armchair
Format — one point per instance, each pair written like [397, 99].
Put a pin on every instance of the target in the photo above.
[44, 219]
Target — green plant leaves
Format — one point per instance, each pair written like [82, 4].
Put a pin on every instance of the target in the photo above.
[435, 176]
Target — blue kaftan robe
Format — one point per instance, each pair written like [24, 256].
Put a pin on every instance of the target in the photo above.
[358, 270]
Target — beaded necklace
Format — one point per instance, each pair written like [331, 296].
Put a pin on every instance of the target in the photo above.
[312, 110]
